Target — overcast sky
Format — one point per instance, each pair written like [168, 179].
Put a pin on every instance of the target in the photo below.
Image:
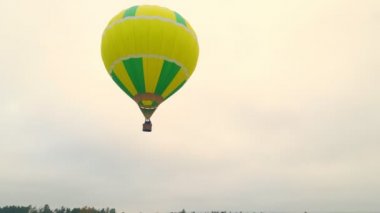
[281, 114]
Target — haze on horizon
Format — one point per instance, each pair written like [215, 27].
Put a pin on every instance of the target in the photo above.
[281, 113]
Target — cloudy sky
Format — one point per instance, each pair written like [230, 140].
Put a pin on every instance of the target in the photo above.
[281, 114]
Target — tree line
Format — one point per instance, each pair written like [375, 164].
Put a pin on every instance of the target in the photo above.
[46, 209]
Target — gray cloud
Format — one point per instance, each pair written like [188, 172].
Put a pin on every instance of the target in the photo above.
[281, 113]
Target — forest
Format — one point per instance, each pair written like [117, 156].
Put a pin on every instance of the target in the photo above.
[47, 209]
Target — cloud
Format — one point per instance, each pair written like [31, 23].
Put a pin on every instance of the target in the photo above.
[281, 113]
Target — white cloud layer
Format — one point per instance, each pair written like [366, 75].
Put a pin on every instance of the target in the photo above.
[282, 112]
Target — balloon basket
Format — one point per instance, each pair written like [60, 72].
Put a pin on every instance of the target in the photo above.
[147, 126]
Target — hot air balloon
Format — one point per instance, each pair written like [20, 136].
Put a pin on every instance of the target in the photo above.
[150, 52]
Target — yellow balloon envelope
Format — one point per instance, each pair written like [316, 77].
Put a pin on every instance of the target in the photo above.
[150, 52]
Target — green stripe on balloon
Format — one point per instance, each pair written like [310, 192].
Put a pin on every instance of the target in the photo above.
[120, 84]
[134, 67]
[130, 11]
[176, 89]
[180, 19]
[168, 71]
